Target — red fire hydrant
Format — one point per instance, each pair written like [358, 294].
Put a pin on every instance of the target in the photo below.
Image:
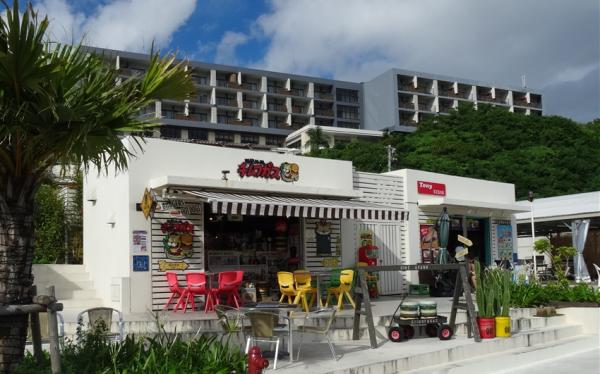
[256, 362]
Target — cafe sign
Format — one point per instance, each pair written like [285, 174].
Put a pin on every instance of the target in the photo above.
[431, 188]
[252, 168]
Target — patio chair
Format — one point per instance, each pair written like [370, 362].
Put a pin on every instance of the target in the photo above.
[177, 291]
[263, 329]
[229, 283]
[230, 320]
[302, 281]
[319, 330]
[286, 286]
[597, 273]
[196, 285]
[102, 318]
[44, 329]
[346, 280]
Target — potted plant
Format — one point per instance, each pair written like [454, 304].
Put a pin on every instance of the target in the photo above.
[502, 282]
[484, 295]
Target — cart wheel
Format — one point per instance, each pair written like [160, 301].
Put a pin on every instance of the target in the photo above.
[431, 330]
[395, 334]
[409, 331]
[445, 332]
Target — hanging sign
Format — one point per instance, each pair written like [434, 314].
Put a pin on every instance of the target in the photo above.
[431, 188]
[286, 171]
[164, 265]
[147, 203]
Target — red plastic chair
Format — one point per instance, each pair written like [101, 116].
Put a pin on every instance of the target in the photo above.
[196, 285]
[176, 290]
[229, 283]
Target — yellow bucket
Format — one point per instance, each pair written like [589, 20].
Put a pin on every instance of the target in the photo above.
[502, 327]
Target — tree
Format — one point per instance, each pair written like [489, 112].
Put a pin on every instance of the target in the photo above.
[316, 139]
[59, 105]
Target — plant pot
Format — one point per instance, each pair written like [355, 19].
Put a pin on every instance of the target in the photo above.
[502, 327]
[486, 327]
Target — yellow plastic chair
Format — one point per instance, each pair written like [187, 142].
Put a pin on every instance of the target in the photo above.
[286, 286]
[302, 280]
[346, 278]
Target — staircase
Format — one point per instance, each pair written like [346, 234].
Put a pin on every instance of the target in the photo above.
[72, 285]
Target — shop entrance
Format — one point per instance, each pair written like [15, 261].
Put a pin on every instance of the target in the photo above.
[477, 230]
[258, 245]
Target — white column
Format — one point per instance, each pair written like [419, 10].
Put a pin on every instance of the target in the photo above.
[311, 90]
[213, 115]
[158, 109]
[263, 84]
[265, 120]
[213, 77]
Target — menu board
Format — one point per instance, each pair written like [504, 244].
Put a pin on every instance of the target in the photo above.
[504, 241]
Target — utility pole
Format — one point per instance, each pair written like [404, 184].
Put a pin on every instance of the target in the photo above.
[530, 198]
[391, 153]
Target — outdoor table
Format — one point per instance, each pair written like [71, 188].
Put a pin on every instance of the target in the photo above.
[275, 307]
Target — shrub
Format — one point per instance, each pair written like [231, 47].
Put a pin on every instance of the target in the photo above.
[93, 353]
[49, 244]
[535, 294]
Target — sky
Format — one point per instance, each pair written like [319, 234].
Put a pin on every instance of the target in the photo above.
[554, 43]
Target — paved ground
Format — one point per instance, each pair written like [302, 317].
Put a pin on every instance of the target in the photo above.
[580, 355]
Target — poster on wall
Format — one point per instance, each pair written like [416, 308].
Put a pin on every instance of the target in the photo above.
[323, 238]
[429, 243]
[178, 239]
[504, 241]
[139, 239]
[141, 263]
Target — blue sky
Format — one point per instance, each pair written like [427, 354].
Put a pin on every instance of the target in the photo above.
[554, 43]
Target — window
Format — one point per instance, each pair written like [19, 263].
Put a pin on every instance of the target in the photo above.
[197, 134]
[170, 132]
[249, 139]
[348, 125]
[273, 140]
[223, 137]
[347, 112]
[347, 96]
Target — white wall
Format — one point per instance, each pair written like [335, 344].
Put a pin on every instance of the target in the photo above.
[108, 250]
[105, 254]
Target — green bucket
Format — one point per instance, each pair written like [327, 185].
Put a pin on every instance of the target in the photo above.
[428, 309]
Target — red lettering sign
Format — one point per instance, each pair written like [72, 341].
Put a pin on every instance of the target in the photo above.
[287, 172]
[430, 188]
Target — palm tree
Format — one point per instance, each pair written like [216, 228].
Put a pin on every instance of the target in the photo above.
[316, 139]
[59, 105]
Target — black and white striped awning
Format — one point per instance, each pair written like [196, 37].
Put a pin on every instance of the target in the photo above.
[294, 206]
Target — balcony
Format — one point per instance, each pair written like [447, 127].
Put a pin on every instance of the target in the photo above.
[406, 105]
[324, 96]
[299, 109]
[251, 104]
[324, 112]
[227, 102]
[298, 92]
[132, 72]
[276, 107]
[199, 99]
[249, 86]
[200, 80]
[226, 84]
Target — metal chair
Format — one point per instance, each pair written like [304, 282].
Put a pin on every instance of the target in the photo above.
[597, 273]
[230, 319]
[103, 318]
[44, 328]
[263, 329]
[319, 330]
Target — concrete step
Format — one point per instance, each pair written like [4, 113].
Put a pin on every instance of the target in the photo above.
[80, 304]
[57, 268]
[421, 353]
[74, 277]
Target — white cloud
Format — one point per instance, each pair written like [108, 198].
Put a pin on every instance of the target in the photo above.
[492, 41]
[119, 24]
[226, 48]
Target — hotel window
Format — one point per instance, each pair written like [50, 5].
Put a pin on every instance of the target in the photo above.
[249, 139]
[347, 96]
[170, 132]
[223, 137]
[273, 140]
[347, 112]
[197, 134]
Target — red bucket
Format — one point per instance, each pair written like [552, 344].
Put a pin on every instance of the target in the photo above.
[487, 328]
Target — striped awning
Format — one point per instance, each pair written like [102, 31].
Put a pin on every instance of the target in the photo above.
[294, 206]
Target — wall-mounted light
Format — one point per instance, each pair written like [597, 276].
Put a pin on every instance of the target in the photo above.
[225, 172]
[91, 196]
[110, 219]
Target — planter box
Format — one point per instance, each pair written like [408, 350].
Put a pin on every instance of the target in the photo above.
[574, 304]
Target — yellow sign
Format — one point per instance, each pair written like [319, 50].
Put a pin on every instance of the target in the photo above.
[147, 203]
[166, 265]
[331, 262]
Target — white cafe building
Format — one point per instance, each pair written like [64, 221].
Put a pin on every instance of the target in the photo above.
[219, 208]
